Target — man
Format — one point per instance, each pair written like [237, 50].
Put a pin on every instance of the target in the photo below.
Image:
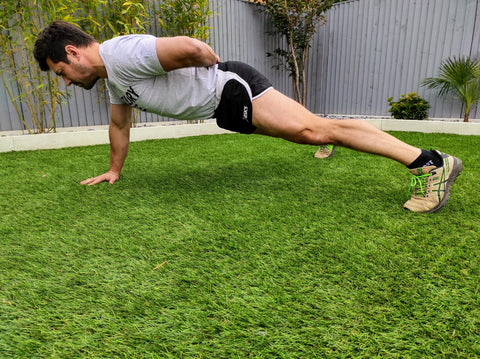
[183, 78]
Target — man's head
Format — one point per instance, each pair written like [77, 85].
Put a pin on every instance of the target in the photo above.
[61, 47]
[53, 39]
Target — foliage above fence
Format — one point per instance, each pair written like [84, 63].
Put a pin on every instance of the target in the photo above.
[184, 17]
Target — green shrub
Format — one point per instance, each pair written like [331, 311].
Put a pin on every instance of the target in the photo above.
[409, 107]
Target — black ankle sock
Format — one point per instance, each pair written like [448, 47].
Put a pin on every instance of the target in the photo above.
[426, 158]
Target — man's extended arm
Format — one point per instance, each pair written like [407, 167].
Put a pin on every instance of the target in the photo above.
[119, 133]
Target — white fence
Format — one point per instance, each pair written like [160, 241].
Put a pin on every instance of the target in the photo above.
[368, 51]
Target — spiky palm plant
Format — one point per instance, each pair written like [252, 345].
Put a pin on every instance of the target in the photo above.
[460, 77]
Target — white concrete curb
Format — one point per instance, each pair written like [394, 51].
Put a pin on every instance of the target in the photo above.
[87, 136]
[457, 128]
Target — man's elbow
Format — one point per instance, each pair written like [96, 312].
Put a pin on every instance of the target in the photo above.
[199, 53]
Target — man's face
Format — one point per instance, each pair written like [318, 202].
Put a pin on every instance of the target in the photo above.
[74, 73]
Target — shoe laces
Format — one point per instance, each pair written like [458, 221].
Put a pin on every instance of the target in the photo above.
[418, 185]
[326, 148]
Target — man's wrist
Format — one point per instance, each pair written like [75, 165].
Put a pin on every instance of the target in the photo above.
[113, 172]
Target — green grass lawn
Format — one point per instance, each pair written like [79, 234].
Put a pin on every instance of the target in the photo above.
[235, 246]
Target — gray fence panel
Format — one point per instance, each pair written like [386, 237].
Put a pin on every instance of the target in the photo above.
[7, 110]
[374, 49]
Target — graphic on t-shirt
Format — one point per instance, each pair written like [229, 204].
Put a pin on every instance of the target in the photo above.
[131, 97]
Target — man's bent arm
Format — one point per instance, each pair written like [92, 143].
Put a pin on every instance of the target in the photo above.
[119, 133]
[182, 51]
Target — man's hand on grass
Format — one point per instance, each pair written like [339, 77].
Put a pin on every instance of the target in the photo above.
[110, 177]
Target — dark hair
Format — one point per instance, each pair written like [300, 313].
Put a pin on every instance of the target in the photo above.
[52, 40]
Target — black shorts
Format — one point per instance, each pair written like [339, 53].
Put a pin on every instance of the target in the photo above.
[234, 112]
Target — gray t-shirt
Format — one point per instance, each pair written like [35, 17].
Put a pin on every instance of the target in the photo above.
[136, 78]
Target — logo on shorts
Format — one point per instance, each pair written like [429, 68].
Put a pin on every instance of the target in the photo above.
[245, 113]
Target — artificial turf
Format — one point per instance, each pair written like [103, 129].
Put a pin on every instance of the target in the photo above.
[235, 246]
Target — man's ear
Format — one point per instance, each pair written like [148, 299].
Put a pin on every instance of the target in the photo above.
[72, 51]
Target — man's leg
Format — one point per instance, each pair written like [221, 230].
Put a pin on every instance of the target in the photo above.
[276, 115]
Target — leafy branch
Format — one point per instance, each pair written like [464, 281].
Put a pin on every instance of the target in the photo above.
[296, 21]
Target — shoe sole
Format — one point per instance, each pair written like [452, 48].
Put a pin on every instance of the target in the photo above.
[457, 169]
[330, 155]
